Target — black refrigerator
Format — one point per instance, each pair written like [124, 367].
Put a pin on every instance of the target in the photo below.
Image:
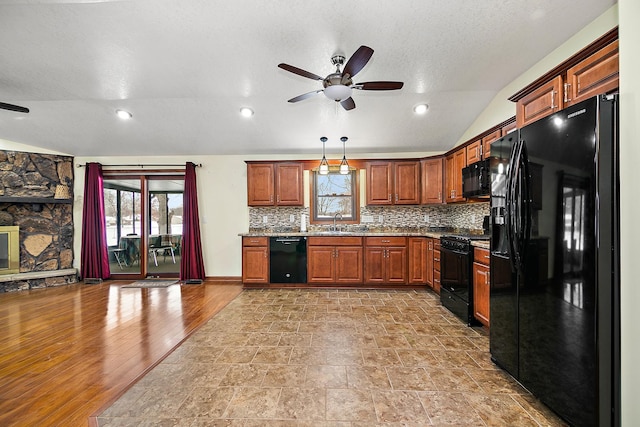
[554, 301]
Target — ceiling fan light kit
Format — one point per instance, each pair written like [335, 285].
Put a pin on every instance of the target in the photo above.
[338, 86]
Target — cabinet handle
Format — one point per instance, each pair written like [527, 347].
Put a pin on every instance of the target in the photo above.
[278, 199]
[488, 278]
[389, 197]
[271, 198]
[566, 92]
[265, 254]
[396, 197]
[439, 195]
[436, 259]
[553, 99]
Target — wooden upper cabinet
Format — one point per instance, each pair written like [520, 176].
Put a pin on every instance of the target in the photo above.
[274, 184]
[592, 71]
[545, 100]
[597, 74]
[474, 153]
[487, 141]
[432, 172]
[289, 186]
[454, 163]
[260, 184]
[393, 182]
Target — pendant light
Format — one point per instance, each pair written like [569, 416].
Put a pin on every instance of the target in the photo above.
[324, 165]
[344, 165]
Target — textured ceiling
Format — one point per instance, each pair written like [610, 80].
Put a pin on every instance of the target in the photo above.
[184, 68]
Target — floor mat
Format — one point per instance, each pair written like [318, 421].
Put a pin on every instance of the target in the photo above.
[150, 284]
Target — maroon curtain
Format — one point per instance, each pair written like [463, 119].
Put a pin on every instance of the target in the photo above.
[191, 264]
[94, 257]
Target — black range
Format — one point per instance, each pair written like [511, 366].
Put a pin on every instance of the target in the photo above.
[456, 283]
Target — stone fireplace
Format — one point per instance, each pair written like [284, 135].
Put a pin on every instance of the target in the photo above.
[28, 183]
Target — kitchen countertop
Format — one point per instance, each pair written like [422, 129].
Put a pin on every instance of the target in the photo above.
[436, 234]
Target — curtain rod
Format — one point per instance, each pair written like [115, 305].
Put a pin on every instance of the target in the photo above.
[198, 165]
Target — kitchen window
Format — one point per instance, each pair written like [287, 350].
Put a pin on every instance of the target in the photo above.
[334, 195]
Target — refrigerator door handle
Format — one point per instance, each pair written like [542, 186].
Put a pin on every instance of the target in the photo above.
[510, 200]
[525, 194]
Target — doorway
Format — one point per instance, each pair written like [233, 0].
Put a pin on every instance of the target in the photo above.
[144, 223]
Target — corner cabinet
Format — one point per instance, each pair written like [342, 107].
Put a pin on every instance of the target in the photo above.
[393, 182]
[275, 184]
[334, 260]
[255, 260]
[385, 260]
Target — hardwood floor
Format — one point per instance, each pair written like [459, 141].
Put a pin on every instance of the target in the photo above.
[66, 353]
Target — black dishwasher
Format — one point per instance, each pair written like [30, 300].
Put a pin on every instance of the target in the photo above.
[288, 259]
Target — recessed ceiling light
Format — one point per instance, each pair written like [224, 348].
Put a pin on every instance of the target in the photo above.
[124, 115]
[420, 108]
[246, 111]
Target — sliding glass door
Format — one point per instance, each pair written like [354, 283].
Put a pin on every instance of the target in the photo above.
[144, 223]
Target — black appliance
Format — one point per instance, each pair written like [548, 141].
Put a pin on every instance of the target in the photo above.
[476, 180]
[456, 287]
[554, 301]
[288, 259]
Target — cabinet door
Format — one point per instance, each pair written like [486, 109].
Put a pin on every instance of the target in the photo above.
[374, 264]
[320, 264]
[429, 262]
[288, 185]
[481, 293]
[417, 260]
[473, 152]
[379, 183]
[255, 264]
[260, 184]
[436, 266]
[540, 103]
[486, 143]
[396, 265]
[348, 264]
[455, 162]
[406, 183]
[432, 181]
[597, 74]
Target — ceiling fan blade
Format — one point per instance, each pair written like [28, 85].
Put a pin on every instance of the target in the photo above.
[348, 104]
[13, 108]
[304, 96]
[378, 85]
[299, 71]
[357, 61]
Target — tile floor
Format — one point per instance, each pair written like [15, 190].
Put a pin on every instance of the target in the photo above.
[330, 358]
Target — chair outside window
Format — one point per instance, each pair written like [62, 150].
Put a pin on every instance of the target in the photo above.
[157, 246]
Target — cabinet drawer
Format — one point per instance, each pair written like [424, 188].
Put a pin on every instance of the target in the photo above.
[255, 241]
[481, 255]
[335, 241]
[385, 241]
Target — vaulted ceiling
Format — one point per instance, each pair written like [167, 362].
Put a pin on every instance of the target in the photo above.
[184, 68]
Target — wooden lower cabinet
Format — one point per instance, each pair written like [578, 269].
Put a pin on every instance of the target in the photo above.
[481, 285]
[385, 260]
[255, 260]
[418, 268]
[436, 265]
[334, 260]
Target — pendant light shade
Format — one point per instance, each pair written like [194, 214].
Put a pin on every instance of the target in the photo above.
[324, 165]
[344, 165]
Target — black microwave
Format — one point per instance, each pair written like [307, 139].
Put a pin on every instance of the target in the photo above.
[475, 179]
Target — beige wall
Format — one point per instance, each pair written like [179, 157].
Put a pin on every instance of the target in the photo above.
[630, 234]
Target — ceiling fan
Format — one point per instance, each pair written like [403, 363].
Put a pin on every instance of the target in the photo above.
[12, 107]
[339, 85]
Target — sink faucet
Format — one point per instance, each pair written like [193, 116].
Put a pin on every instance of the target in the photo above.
[334, 220]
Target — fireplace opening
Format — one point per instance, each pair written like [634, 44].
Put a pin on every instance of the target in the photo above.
[9, 249]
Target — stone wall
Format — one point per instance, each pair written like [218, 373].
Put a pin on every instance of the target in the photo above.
[46, 229]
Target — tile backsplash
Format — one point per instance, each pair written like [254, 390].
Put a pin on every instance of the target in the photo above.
[465, 216]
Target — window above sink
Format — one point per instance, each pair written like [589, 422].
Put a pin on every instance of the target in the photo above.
[334, 195]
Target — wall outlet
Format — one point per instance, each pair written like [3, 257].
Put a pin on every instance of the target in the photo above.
[473, 219]
[265, 219]
[292, 218]
[426, 218]
[380, 218]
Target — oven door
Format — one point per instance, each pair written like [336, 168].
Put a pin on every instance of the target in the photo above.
[454, 273]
